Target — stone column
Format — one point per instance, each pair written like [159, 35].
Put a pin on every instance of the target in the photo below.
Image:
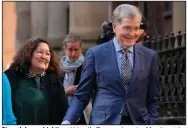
[160, 17]
[155, 17]
[9, 32]
[141, 7]
[39, 19]
[23, 23]
[178, 16]
[110, 11]
[57, 23]
[86, 19]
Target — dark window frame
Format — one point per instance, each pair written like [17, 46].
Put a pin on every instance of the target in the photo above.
[168, 10]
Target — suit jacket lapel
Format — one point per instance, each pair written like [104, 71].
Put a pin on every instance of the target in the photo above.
[138, 62]
[111, 59]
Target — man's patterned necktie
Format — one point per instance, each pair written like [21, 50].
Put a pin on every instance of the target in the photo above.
[126, 74]
[126, 69]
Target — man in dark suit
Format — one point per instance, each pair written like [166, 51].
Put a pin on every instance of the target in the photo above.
[71, 65]
[123, 75]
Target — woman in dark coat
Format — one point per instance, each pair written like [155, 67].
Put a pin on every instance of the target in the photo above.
[37, 95]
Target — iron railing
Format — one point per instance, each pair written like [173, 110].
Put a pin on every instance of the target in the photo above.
[172, 55]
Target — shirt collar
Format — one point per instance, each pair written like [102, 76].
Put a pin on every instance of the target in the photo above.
[118, 47]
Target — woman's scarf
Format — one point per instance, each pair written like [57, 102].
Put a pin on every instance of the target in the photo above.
[70, 67]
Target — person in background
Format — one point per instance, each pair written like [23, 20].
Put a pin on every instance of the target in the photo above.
[71, 65]
[8, 115]
[142, 31]
[106, 32]
[37, 95]
[112, 70]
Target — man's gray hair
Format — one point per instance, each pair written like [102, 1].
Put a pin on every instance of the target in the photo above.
[125, 11]
[71, 38]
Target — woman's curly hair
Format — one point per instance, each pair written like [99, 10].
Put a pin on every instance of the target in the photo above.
[22, 60]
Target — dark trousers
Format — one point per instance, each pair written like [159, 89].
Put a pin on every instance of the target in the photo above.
[126, 120]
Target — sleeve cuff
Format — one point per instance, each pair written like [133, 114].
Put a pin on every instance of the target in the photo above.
[66, 122]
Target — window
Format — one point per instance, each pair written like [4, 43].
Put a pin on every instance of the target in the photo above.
[167, 9]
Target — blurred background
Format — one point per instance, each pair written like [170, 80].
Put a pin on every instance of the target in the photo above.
[53, 20]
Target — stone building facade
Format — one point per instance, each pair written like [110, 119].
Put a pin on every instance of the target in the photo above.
[53, 20]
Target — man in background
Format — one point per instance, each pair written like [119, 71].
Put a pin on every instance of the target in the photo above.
[71, 65]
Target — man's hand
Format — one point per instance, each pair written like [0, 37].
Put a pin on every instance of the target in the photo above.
[70, 90]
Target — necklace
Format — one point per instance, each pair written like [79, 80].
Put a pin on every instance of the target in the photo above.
[31, 75]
